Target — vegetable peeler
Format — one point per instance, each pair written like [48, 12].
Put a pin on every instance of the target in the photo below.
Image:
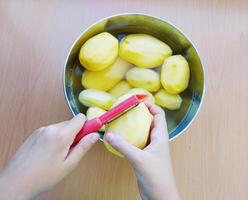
[95, 124]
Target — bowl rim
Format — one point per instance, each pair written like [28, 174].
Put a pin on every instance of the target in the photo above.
[165, 21]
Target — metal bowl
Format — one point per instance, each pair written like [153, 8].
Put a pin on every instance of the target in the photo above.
[119, 25]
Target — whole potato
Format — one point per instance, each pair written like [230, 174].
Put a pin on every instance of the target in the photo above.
[99, 52]
[96, 98]
[107, 78]
[144, 50]
[133, 126]
[120, 89]
[175, 74]
[143, 78]
[142, 91]
[166, 100]
[94, 112]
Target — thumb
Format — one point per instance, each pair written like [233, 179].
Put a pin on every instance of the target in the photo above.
[120, 144]
[78, 151]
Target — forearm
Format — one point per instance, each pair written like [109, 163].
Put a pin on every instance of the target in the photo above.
[158, 193]
[155, 188]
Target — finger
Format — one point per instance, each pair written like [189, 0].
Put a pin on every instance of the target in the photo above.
[120, 144]
[159, 125]
[85, 144]
[158, 135]
[154, 109]
[54, 128]
[52, 131]
[71, 129]
[158, 113]
[61, 124]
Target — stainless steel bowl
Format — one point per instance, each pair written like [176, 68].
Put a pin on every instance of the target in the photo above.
[178, 121]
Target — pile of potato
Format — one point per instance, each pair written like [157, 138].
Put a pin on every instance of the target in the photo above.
[138, 64]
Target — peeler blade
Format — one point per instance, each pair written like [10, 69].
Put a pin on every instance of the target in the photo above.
[142, 97]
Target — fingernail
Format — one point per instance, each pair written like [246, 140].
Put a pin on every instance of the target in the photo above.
[94, 137]
[110, 137]
[80, 115]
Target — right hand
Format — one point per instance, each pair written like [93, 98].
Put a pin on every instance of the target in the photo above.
[44, 159]
[152, 165]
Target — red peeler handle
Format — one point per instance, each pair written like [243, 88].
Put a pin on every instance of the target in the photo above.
[95, 124]
[90, 126]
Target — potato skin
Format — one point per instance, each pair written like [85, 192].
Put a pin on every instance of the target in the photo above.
[143, 78]
[175, 74]
[99, 52]
[144, 50]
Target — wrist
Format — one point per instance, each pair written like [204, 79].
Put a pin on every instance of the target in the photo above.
[157, 187]
[158, 192]
[168, 192]
[14, 187]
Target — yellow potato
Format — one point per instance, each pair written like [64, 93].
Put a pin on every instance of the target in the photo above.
[99, 52]
[107, 78]
[133, 126]
[142, 91]
[97, 98]
[167, 100]
[143, 78]
[175, 74]
[144, 50]
[120, 89]
[94, 112]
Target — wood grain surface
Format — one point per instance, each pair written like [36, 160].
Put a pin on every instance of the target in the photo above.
[210, 159]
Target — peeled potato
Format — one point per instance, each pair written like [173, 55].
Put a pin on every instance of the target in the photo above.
[107, 78]
[143, 78]
[142, 91]
[99, 52]
[166, 100]
[97, 98]
[94, 112]
[144, 50]
[133, 126]
[120, 89]
[175, 74]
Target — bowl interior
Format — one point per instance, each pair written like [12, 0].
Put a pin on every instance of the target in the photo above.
[122, 25]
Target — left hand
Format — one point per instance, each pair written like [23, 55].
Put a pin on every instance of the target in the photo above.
[44, 159]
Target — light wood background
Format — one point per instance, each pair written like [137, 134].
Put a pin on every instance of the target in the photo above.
[210, 159]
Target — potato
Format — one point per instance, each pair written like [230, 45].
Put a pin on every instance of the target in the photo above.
[94, 112]
[107, 78]
[120, 89]
[144, 50]
[97, 98]
[175, 74]
[143, 78]
[166, 100]
[133, 126]
[142, 91]
[99, 52]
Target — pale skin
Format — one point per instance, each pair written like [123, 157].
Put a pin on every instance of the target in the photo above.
[46, 158]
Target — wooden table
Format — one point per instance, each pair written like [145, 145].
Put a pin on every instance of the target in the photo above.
[210, 159]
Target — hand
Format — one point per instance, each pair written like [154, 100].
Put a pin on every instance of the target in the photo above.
[152, 165]
[44, 159]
